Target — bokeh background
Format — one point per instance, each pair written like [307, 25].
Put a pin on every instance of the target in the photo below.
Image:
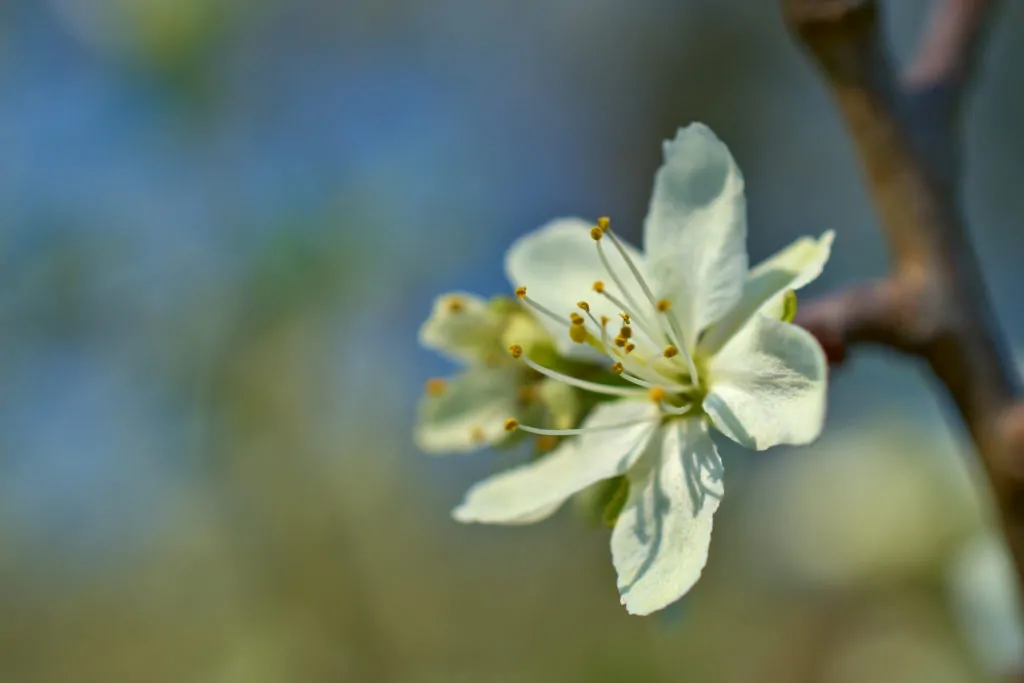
[221, 223]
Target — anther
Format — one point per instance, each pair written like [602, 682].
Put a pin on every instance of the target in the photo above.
[664, 305]
[629, 347]
[603, 222]
[596, 233]
[454, 304]
[670, 351]
[620, 341]
[617, 368]
[625, 317]
[435, 386]
[626, 332]
[516, 350]
[657, 394]
[583, 306]
[578, 333]
[520, 292]
[576, 318]
[604, 321]
[599, 287]
[511, 424]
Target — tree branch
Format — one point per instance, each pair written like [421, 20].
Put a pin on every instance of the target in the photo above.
[933, 305]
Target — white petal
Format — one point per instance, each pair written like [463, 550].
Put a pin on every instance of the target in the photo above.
[768, 385]
[558, 264]
[526, 492]
[660, 542]
[470, 413]
[462, 327]
[696, 229]
[765, 287]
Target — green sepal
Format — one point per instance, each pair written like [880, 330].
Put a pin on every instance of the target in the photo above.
[788, 306]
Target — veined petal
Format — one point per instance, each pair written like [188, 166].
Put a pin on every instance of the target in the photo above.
[764, 290]
[696, 230]
[767, 386]
[559, 264]
[660, 542]
[462, 327]
[469, 413]
[526, 492]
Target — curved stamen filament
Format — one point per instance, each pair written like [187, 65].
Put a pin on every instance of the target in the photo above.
[595, 387]
[580, 430]
[679, 344]
[675, 410]
[544, 310]
[618, 282]
[670, 387]
[640, 321]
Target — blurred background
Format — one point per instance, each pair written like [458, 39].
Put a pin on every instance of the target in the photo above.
[221, 223]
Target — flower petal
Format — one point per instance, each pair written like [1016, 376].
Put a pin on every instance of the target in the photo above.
[470, 412]
[526, 492]
[696, 229]
[767, 386]
[559, 264]
[764, 290]
[660, 542]
[462, 327]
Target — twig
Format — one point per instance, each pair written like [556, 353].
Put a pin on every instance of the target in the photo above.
[933, 305]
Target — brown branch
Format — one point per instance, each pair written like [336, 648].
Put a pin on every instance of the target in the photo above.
[934, 305]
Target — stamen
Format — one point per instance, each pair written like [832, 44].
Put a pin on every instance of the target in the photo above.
[625, 317]
[657, 394]
[677, 339]
[598, 287]
[620, 341]
[454, 304]
[663, 305]
[435, 386]
[583, 306]
[640, 322]
[670, 351]
[629, 347]
[520, 292]
[617, 368]
[669, 387]
[575, 318]
[511, 424]
[578, 333]
[595, 387]
[516, 350]
[626, 332]
[580, 430]
[543, 310]
[676, 410]
[596, 233]
[603, 222]
[618, 283]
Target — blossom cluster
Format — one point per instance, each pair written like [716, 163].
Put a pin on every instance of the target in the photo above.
[620, 362]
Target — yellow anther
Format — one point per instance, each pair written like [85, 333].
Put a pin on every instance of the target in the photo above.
[604, 321]
[670, 351]
[511, 424]
[630, 346]
[516, 350]
[626, 332]
[526, 394]
[657, 394]
[603, 222]
[664, 305]
[435, 386]
[617, 368]
[578, 333]
[477, 435]
[625, 318]
[596, 233]
[620, 341]
[583, 306]
[545, 443]
[454, 304]
[599, 287]
[520, 292]
[576, 318]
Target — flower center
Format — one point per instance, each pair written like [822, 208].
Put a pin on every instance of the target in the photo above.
[648, 351]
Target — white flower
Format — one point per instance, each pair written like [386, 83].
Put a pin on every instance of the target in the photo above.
[469, 410]
[701, 343]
